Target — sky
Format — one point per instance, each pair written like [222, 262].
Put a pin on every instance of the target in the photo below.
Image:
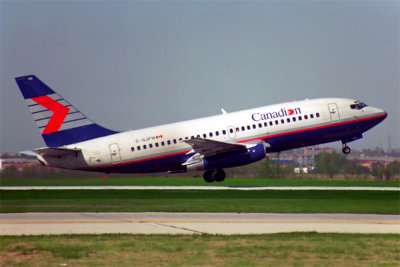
[134, 64]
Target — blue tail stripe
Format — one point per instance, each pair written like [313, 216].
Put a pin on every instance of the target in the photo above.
[43, 119]
[75, 113]
[39, 111]
[76, 120]
[31, 87]
[33, 105]
[76, 135]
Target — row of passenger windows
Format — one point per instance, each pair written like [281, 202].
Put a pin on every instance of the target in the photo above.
[231, 130]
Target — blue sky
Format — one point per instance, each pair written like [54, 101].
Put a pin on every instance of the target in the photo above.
[133, 64]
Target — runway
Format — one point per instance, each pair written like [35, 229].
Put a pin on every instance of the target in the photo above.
[194, 223]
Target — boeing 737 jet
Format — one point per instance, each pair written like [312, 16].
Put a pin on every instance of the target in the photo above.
[207, 144]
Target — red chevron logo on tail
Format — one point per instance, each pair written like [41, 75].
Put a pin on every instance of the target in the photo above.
[60, 112]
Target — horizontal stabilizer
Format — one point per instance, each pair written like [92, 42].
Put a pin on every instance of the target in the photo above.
[56, 151]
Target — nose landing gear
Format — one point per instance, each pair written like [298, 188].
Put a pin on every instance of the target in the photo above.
[346, 150]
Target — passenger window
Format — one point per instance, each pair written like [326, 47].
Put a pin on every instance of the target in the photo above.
[231, 130]
[243, 129]
[237, 129]
[271, 123]
[312, 116]
[198, 136]
[144, 147]
[254, 126]
[150, 145]
[174, 141]
[317, 115]
[204, 136]
[305, 117]
[156, 144]
[265, 124]
[186, 138]
[192, 137]
[288, 120]
[294, 118]
[260, 125]
[168, 142]
[180, 139]
[211, 134]
[300, 118]
[276, 122]
[132, 149]
[282, 121]
[223, 132]
[248, 127]
[138, 147]
[162, 143]
[217, 133]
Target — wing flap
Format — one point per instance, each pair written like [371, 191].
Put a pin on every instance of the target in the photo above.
[209, 147]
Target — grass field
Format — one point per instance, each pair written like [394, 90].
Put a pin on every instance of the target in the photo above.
[297, 249]
[174, 181]
[309, 201]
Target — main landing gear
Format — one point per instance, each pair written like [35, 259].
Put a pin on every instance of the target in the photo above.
[217, 175]
[346, 150]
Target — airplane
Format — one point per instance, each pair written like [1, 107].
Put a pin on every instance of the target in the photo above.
[208, 144]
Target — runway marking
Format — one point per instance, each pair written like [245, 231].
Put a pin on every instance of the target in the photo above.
[200, 221]
[181, 228]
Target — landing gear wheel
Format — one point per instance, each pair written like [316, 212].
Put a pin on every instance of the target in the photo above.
[346, 150]
[219, 175]
[208, 176]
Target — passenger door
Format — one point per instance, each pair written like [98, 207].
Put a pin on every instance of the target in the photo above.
[114, 151]
[333, 112]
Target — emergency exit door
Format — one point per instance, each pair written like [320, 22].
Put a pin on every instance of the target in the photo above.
[114, 151]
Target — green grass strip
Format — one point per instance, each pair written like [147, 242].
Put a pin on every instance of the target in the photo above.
[174, 181]
[309, 201]
[294, 249]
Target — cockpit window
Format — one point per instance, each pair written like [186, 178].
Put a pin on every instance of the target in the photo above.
[358, 105]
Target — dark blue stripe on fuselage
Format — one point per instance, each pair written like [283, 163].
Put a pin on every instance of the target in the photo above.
[163, 164]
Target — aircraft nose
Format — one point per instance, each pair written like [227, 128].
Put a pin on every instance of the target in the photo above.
[381, 112]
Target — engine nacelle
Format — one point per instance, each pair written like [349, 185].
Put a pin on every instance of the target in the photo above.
[230, 159]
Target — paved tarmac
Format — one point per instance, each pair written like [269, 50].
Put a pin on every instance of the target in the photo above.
[193, 223]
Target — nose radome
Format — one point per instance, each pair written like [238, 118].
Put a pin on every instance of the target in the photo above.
[380, 112]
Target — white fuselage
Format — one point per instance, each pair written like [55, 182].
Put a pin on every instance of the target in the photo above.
[282, 126]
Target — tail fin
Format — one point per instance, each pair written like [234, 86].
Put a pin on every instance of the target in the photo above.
[59, 121]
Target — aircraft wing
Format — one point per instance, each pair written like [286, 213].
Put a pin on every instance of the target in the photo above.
[56, 151]
[208, 147]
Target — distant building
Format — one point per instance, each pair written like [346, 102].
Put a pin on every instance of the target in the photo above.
[20, 163]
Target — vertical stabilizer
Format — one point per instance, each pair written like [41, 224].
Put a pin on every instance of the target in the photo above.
[59, 122]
